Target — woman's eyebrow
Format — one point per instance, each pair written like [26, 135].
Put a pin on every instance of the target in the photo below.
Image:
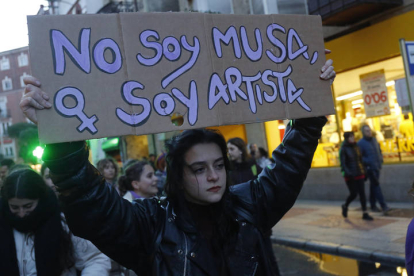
[204, 162]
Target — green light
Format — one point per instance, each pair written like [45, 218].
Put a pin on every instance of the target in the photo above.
[115, 141]
[38, 152]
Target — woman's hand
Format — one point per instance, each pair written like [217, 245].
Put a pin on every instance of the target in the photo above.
[33, 98]
[327, 70]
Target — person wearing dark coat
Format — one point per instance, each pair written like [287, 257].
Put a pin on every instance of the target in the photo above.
[354, 174]
[204, 226]
[372, 160]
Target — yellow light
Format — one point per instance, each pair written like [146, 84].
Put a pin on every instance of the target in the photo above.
[377, 265]
[350, 95]
[404, 272]
[399, 270]
[390, 83]
[356, 106]
[360, 101]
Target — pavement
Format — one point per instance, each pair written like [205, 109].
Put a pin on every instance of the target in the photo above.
[318, 226]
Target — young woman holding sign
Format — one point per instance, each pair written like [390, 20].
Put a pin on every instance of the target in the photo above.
[203, 227]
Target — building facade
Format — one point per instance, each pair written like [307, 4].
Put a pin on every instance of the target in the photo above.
[14, 66]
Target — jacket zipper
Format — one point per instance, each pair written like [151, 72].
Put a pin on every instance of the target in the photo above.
[185, 256]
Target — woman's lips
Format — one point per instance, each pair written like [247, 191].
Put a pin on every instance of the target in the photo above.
[214, 189]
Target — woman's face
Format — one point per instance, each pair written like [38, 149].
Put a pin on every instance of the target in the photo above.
[147, 184]
[204, 174]
[22, 207]
[235, 154]
[109, 171]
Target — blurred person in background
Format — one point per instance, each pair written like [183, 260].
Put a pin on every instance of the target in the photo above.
[5, 165]
[161, 172]
[372, 161]
[138, 182]
[243, 166]
[262, 158]
[34, 237]
[354, 174]
[407, 127]
[109, 169]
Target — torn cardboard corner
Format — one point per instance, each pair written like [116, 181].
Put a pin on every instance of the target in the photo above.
[136, 73]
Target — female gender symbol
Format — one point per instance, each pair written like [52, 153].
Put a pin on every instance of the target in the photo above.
[77, 110]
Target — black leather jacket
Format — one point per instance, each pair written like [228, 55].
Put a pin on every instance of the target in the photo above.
[351, 160]
[149, 237]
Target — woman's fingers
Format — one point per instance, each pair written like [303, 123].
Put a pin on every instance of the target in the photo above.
[40, 97]
[327, 64]
[328, 72]
[33, 98]
[31, 80]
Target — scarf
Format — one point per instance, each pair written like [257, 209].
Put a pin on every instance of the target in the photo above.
[44, 222]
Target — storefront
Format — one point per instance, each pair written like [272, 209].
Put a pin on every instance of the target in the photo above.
[373, 53]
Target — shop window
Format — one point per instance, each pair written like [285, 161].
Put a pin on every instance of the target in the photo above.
[4, 64]
[23, 60]
[7, 84]
[257, 6]
[216, 6]
[21, 79]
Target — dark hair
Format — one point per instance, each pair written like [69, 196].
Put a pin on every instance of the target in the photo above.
[26, 183]
[133, 172]
[263, 152]
[347, 135]
[241, 145]
[103, 162]
[406, 117]
[178, 146]
[7, 162]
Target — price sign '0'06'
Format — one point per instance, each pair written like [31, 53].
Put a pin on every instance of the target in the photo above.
[375, 94]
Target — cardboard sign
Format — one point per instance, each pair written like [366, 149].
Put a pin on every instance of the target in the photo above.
[131, 73]
[375, 94]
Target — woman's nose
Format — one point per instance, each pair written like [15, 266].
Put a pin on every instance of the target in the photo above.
[212, 176]
[21, 213]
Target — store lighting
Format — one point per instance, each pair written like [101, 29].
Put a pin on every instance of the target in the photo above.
[356, 106]
[390, 83]
[281, 127]
[360, 101]
[350, 95]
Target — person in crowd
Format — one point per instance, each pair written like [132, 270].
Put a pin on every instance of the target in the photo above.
[204, 226]
[262, 158]
[372, 160]
[109, 169]
[253, 150]
[152, 158]
[161, 172]
[5, 165]
[353, 171]
[33, 234]
[115, 268]
[407, 127]
[243, 166]
[139, 181]
[409, 243]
